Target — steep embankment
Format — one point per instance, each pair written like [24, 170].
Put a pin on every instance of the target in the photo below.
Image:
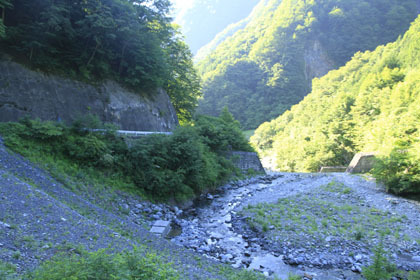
[371, 104]
[41, 217]
[267, 66]
[24, 92]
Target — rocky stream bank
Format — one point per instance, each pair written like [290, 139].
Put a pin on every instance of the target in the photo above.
[319, 226]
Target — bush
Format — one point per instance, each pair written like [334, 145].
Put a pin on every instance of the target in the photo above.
[164, 167]
[381, 268]
[177, 166]
[102, 265]
[222, 133]
[7, 271]
[400, 171]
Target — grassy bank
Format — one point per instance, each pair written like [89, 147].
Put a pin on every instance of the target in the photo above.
[159, 167]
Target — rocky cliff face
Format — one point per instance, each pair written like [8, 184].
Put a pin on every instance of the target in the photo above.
[317, 63]
[24, 92]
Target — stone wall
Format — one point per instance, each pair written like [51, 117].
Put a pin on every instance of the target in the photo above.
[246, 161]
[333, 169]
[24, 92]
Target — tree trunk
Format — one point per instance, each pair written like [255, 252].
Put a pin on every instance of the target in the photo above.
[122, 59]
[93, 54]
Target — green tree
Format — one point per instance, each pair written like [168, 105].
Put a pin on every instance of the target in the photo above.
[183, 84]
[268, 64]
[4, 4]
[131, 42]
[371, 104]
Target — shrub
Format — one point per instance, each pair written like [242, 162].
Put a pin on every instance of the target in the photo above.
[400, 171]
[164, 167]
[178, 166]
[103, 265]
[7, 271]
[222, 133]
[381, 268]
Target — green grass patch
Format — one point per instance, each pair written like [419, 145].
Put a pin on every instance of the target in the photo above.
[320, 218]
[7, 271]
[135, 264]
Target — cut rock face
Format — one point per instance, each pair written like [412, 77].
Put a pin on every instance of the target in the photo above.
[362, 163]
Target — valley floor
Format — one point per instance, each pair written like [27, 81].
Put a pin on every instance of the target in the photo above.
[324, 226]
[319, 226]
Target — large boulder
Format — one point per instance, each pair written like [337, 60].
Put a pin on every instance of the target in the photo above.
[24, 92]
[362, 163]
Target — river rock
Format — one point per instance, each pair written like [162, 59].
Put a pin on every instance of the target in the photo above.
[416, 258]
[5, 225]
[272, 263]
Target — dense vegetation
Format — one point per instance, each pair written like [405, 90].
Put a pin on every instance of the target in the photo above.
[371, 104]
[3, 5]
[203, 19]
[268, 65]
[130, 41]
[105, 265]
[163, 167]
[136, 264]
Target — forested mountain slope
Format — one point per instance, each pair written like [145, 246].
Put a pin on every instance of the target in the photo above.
[370, 104]
[203, 19]
[268, 65]
[229, 31]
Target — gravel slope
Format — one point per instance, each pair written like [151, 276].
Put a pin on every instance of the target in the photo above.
[40, 217]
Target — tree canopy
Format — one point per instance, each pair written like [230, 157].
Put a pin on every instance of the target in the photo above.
[267, 66]
[130, 41]
[4, 4]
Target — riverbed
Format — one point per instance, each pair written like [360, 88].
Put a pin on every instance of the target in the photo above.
[316, 244]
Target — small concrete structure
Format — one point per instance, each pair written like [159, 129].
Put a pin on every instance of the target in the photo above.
[333, 169]
[362, 163]
[161, 228]
[246, 160]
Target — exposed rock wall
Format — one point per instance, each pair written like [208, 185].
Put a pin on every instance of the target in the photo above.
[246, 160]
[25, 92]
[317, 63]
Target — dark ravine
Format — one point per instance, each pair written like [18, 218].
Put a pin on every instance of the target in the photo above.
[25, 92]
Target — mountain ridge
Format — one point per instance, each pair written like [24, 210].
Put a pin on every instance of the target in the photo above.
[269, 52]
